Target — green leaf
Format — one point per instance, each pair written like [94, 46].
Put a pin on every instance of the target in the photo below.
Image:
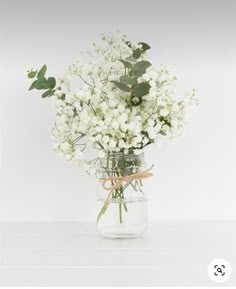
[131, 59]
[127, 64]
[142, 65]
[162, 132]
[63, 96]
[140, 68]
[141, 89]
[32, 73]
[47, 93]
[41, 84]
[137, 53]
[145, 46]
[51, 82]
[122, 86]
[128, 80]
[42, 71]
[33, 85]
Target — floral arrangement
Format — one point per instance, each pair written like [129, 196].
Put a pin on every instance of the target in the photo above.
[115, 102]
[108, 109]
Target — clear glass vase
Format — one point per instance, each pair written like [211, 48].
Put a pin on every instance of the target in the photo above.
[122, 203]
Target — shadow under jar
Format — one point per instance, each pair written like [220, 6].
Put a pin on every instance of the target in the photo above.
[122, 212]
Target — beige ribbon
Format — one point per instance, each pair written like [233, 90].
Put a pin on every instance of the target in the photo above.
[119, 180]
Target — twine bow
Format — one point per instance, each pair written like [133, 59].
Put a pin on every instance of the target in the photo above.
[119, 180]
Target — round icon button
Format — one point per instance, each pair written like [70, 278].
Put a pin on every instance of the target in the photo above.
[219, 270]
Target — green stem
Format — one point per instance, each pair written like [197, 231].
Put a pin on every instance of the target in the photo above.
[125, 207]
[102, 211]
[117, 194]
[120, 212]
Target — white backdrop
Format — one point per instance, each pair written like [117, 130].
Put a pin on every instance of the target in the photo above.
[194, 175]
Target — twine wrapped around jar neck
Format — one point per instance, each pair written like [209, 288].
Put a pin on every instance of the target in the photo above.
[119, 180]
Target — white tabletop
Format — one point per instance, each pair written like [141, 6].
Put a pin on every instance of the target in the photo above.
[73, 254]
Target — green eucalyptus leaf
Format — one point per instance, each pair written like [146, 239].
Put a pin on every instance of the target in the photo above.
[47, 93]
[122, 86]
[127, 64]
[137, 53]
[32, 86]
[41, 84]
[142, 65]
[145, 46]
[42, 71]
[162, 132]
[128, 80]
[51, 82]
[130, 59]
[141, 89]
[32, 74]
[140, 68]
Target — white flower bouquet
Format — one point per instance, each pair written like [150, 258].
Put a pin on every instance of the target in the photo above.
[117, 102]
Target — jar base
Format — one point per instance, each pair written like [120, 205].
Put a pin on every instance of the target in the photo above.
[122, 233]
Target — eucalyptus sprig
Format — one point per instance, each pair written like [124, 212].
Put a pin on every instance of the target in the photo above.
[41, 82]
[133, 70]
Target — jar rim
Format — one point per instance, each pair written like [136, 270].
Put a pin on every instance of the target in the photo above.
[130, 153]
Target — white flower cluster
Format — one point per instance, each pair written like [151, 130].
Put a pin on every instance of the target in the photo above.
[98, 115]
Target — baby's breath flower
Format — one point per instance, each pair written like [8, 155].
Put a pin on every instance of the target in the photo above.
[98, 115]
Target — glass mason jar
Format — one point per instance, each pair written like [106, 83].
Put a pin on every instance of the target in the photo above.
[122, 203]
